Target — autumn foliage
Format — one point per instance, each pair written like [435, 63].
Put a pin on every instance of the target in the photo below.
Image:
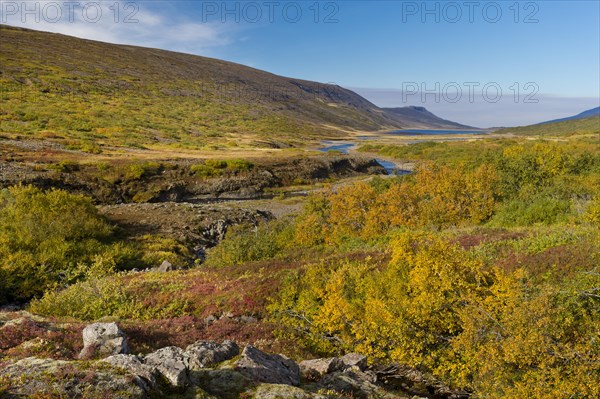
[436, 196]
[438, 307]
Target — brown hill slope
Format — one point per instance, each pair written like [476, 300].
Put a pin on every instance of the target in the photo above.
[92, 93]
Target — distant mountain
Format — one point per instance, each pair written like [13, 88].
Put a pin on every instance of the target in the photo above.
[420, 118]
[583, 115]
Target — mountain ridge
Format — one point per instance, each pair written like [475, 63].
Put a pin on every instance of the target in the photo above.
[86, 91]
[419, 117]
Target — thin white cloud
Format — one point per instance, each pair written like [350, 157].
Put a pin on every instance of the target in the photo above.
[119, 22]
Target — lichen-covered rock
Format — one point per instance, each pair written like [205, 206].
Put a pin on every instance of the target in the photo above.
[316, 368]
[172, 363]
[204, 354]
[62, 379]
[356, 383]
[278, 391]
[103, 339]
[144, 375]
[225, 383]
[272, 369]
[354, 360]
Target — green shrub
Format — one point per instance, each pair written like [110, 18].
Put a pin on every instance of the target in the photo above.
[246, 243]
[215, 167]
[142, 170]
[65, 166]
[542, 210]
[202, 171]
[89, 300]
[215, 164]
[156, 250]
[51, 238]
[592, 213]
[239, 165]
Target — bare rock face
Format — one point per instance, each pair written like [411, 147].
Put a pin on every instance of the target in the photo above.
[316, 368]
[203, 354]
[103, 339]
[271, 369]
[172, 363]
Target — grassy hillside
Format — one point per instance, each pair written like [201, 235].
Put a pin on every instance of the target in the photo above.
[89, 94]
[587, 126]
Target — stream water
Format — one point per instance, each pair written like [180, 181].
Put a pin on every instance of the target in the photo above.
[344, 148]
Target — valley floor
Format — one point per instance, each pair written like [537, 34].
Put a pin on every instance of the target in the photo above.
[473, 275]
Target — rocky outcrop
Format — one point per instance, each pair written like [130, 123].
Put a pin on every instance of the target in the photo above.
[416, 382]
[357, 360]
[271, 369]
[172, 362]
[276, 391]
[144, 375]
[354, 383]
[208, 369]
[103, 339]
[203, 354]
[176, 181]
[316, 368]
[198, 226]
[48, 378]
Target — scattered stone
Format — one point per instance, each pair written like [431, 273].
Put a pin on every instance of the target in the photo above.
[203, 354]
[273, 369]
[210, 319]
[103, 339]
[172, 363]
[248, 319]
[354, 360]
[316, 368]
[166, 266]
[228, 315]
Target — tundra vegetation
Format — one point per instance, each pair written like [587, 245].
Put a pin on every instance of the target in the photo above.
[481, 267]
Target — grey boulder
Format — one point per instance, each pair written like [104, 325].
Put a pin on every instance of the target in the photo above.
[270, 369]
[203, 354]
[103, 339]
[144, 375]
[351, 360]
[172, 363]
[316, 368]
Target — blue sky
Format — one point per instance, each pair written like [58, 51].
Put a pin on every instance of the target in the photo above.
[382, 49]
